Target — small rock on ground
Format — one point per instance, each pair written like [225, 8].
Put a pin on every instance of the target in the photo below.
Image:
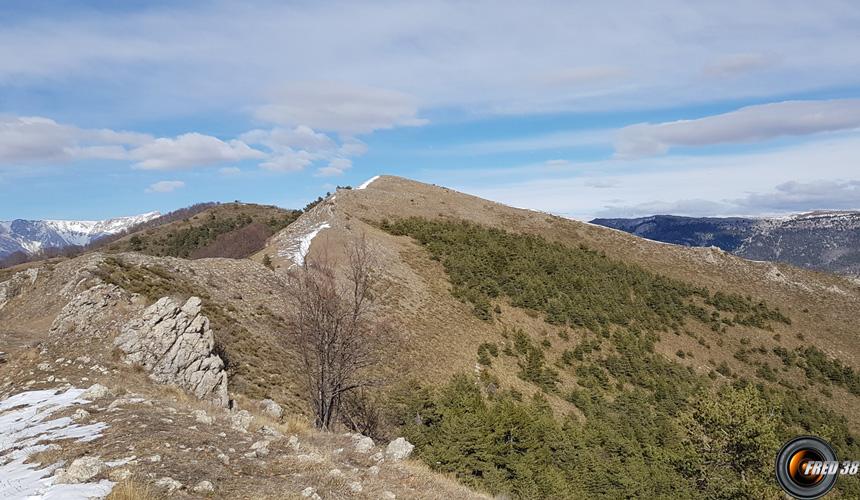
[95, 391]
[203, 487]
[169, 484]
[399, 449]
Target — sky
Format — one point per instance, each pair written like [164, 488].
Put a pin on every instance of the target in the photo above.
[582, 109]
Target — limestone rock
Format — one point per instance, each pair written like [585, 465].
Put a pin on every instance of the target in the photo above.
[355, 487]
[81, 470]
[200, 416]
[269, 431]
[363, 444]
[399, 449]
[80, 414]
[169, 484]
[95, 391]
[13, 287]
[241, 420]
[203, 487]
[90, 313]
[261, 448]
[272, 409]
[174, 343]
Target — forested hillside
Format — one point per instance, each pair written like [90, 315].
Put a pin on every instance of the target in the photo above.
[646, 427]
[234, 230]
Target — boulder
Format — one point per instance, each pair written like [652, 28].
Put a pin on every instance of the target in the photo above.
[363, 444]
[272, 409]
[261, 448]
[174, 343]
[80, 470]
[241, 420]
[95, 391]
[399, 449]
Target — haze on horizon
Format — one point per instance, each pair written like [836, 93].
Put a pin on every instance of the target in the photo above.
[615, 109]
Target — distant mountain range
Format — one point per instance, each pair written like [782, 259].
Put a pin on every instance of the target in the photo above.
[823, 240]
[32, 236]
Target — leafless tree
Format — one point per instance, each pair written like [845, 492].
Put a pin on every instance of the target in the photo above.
[333, 328]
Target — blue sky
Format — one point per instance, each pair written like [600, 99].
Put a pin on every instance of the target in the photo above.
[616, 108]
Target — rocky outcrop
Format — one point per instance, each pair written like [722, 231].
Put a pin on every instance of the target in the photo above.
[12, 287]
[91, 313]
[174, 343]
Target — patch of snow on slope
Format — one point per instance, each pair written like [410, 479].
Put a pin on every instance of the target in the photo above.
[367, 182]
[25, 429]
[304, 246]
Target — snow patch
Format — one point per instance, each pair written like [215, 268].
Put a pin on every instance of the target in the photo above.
[25, 429]
[367, 182]
[304, 245]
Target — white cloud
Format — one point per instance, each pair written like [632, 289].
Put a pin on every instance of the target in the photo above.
[738, 64]
[36, 139]
[335, 167]
[796, 196]
[481, 57]
[557, 163]
[748, 124]
[816, 175]
[229, 171]
[288, 161]
[294, 149]
[165, 186]
[352, 147]
[554, 140]
[581, 75]
[190, 150]
[338, 107]
[301, 137]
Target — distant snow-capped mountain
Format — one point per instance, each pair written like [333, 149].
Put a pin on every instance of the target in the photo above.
[32, 236]
[822, 240]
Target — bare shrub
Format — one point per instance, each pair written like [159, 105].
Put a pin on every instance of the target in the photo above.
[332, 328]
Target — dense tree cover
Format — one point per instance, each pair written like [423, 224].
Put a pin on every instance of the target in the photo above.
[819, 367]
[229, 231]
[572, 286]
[649, 426]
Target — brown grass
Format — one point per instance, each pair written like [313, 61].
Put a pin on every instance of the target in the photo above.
[130, 489]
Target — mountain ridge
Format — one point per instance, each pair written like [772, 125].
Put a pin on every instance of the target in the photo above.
[579, 388]
[819, 240]
[32, 236]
